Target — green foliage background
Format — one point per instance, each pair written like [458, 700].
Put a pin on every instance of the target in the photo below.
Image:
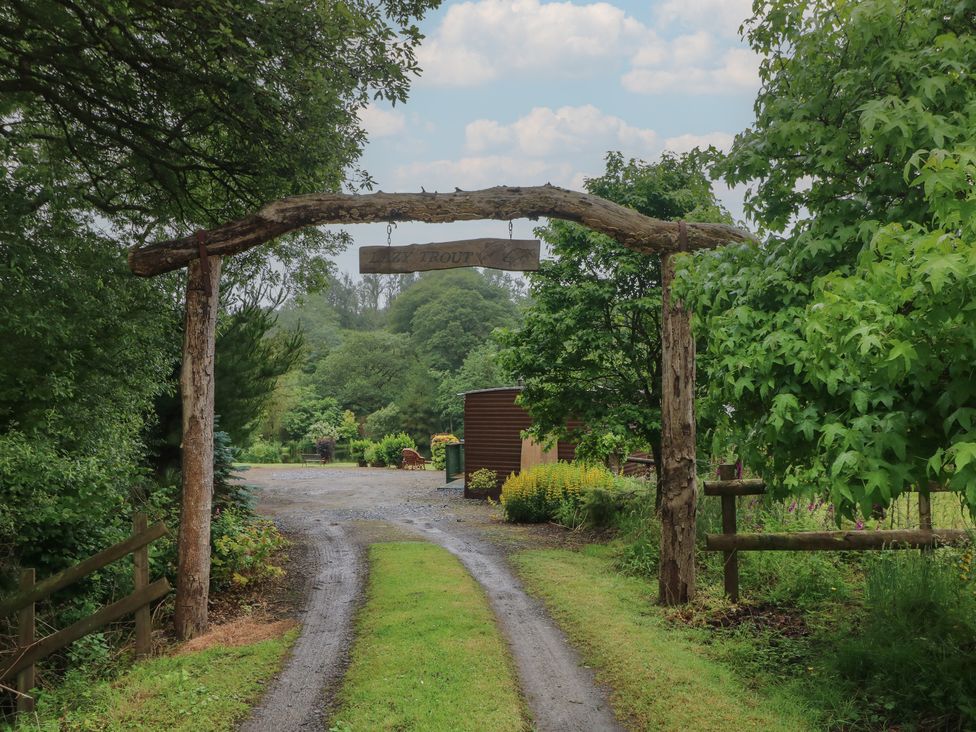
[839, 352]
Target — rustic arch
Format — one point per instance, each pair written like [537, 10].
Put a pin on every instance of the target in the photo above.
[630, 228]
[201, 254]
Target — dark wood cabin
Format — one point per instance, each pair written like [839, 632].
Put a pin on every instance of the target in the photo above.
[493, 425]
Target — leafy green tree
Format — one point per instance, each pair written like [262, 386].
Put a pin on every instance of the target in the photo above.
[589, 347]
[431, 286]
[250, 357]
[840, 352]
[447, 327]
[385, 421]
[86, 351]
[481, 370]
[310, 410]
[197, 112]
[146, 119]
[366, 372]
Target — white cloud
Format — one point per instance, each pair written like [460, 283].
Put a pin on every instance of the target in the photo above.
[733, 71]
[564, 131]
[688, 142]
[380, 122]
[476, 172]
[482, 40]
[485, 134]
[721, 16]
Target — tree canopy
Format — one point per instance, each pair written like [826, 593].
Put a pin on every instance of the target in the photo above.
[130, 120]
[589, 345]
[839, 353]
[193, 113]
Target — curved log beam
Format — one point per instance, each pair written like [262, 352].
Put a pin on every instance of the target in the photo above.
[627, 226]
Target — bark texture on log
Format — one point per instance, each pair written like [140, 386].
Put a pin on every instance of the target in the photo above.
[197, 393]
[504, 203]
[676, 581]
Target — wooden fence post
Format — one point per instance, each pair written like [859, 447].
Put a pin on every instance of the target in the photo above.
[730, 562]
[140, 576]
[25, 637]
[924, 515]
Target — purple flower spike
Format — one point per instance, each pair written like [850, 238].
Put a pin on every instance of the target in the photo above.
[859, 525]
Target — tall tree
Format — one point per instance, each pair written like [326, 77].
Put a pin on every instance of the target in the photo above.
[170, 116]
[589, 346]
[845, 343]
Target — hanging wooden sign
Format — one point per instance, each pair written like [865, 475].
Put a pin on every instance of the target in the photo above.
[519, 255]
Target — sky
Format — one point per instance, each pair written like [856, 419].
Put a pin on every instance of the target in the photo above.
[526, 92]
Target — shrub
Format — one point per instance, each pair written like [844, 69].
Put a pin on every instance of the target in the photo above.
[372, 455]
[58, 507]
[543, 491]
[483, 481]
[390, 448]
[243, 549]
[228, 492]
[802, 579]
[357, 450]
[262, 452]
[438, 443]
[913, 657]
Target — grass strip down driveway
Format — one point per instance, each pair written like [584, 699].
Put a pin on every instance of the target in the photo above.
[659, 680]
[203, 691]
[428, 654]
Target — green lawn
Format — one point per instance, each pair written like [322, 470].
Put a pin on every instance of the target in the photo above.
[428, 654]
[206, 691]
[660, 677]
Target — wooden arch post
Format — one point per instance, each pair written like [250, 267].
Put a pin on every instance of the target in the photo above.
[625, 225]
[679, 492]
[197, 394]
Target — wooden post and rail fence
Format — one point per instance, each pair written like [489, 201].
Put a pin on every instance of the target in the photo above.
[730, 542]
[31, 649]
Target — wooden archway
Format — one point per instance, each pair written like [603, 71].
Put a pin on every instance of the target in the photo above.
[202, 253]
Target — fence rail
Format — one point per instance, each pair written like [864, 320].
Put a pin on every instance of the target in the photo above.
[31, 649]
[730, 542]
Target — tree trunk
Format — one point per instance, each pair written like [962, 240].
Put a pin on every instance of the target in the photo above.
[197, 391]
[678, 489]
[658, 480]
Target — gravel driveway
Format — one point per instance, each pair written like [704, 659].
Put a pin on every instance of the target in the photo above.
[337, 512]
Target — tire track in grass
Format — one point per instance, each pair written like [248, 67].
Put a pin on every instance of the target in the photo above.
[295, 701]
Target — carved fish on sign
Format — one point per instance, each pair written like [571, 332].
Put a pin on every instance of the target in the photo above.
[519, 255]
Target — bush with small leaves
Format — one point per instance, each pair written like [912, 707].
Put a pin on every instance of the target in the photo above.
[438, 445]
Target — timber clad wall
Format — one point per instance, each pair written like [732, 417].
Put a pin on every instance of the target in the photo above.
[493, 426]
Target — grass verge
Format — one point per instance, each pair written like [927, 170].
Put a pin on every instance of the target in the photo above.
[428, 654]
[204, 691]
[660, 678]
